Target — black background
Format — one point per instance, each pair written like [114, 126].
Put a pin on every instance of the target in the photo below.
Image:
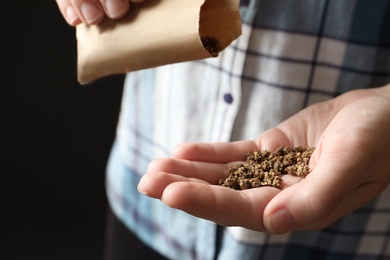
[57, 138]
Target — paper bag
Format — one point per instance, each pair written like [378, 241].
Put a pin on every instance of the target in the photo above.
[155, 33]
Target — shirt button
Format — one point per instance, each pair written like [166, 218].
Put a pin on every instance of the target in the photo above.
[228, 98]
[244, 2]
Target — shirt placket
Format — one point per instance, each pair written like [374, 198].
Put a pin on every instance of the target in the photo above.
[229, 97]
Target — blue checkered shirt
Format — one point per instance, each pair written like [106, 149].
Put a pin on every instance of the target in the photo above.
[291, 54]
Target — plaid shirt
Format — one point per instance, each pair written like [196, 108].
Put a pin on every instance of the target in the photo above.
[291, 54]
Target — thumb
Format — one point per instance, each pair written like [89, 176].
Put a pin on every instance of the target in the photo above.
[315, 202]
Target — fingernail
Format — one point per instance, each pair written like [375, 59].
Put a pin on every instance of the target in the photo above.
[71, 14]
[90, 12]
[115, 8]
[281, 221]
[139, 187]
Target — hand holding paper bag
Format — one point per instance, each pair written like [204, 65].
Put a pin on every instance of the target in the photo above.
[155, 33]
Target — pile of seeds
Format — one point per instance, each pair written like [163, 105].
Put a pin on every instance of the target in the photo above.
[265, 168]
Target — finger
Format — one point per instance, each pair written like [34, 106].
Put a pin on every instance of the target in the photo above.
[219, 204]
[115, 8]
[152, 184]
[68, 12]
[234, 151]
[215, 152]
[89, 12]
[209, 172]
[272, 139]
[162, 172]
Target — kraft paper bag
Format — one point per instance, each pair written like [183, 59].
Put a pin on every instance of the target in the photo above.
[155, 33]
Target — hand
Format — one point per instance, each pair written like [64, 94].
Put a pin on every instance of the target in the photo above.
[350, 167]
[93, 11]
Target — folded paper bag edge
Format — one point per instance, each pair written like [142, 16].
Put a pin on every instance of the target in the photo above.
[109, 48]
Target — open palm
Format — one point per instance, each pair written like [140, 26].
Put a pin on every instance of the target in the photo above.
[350, 167]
